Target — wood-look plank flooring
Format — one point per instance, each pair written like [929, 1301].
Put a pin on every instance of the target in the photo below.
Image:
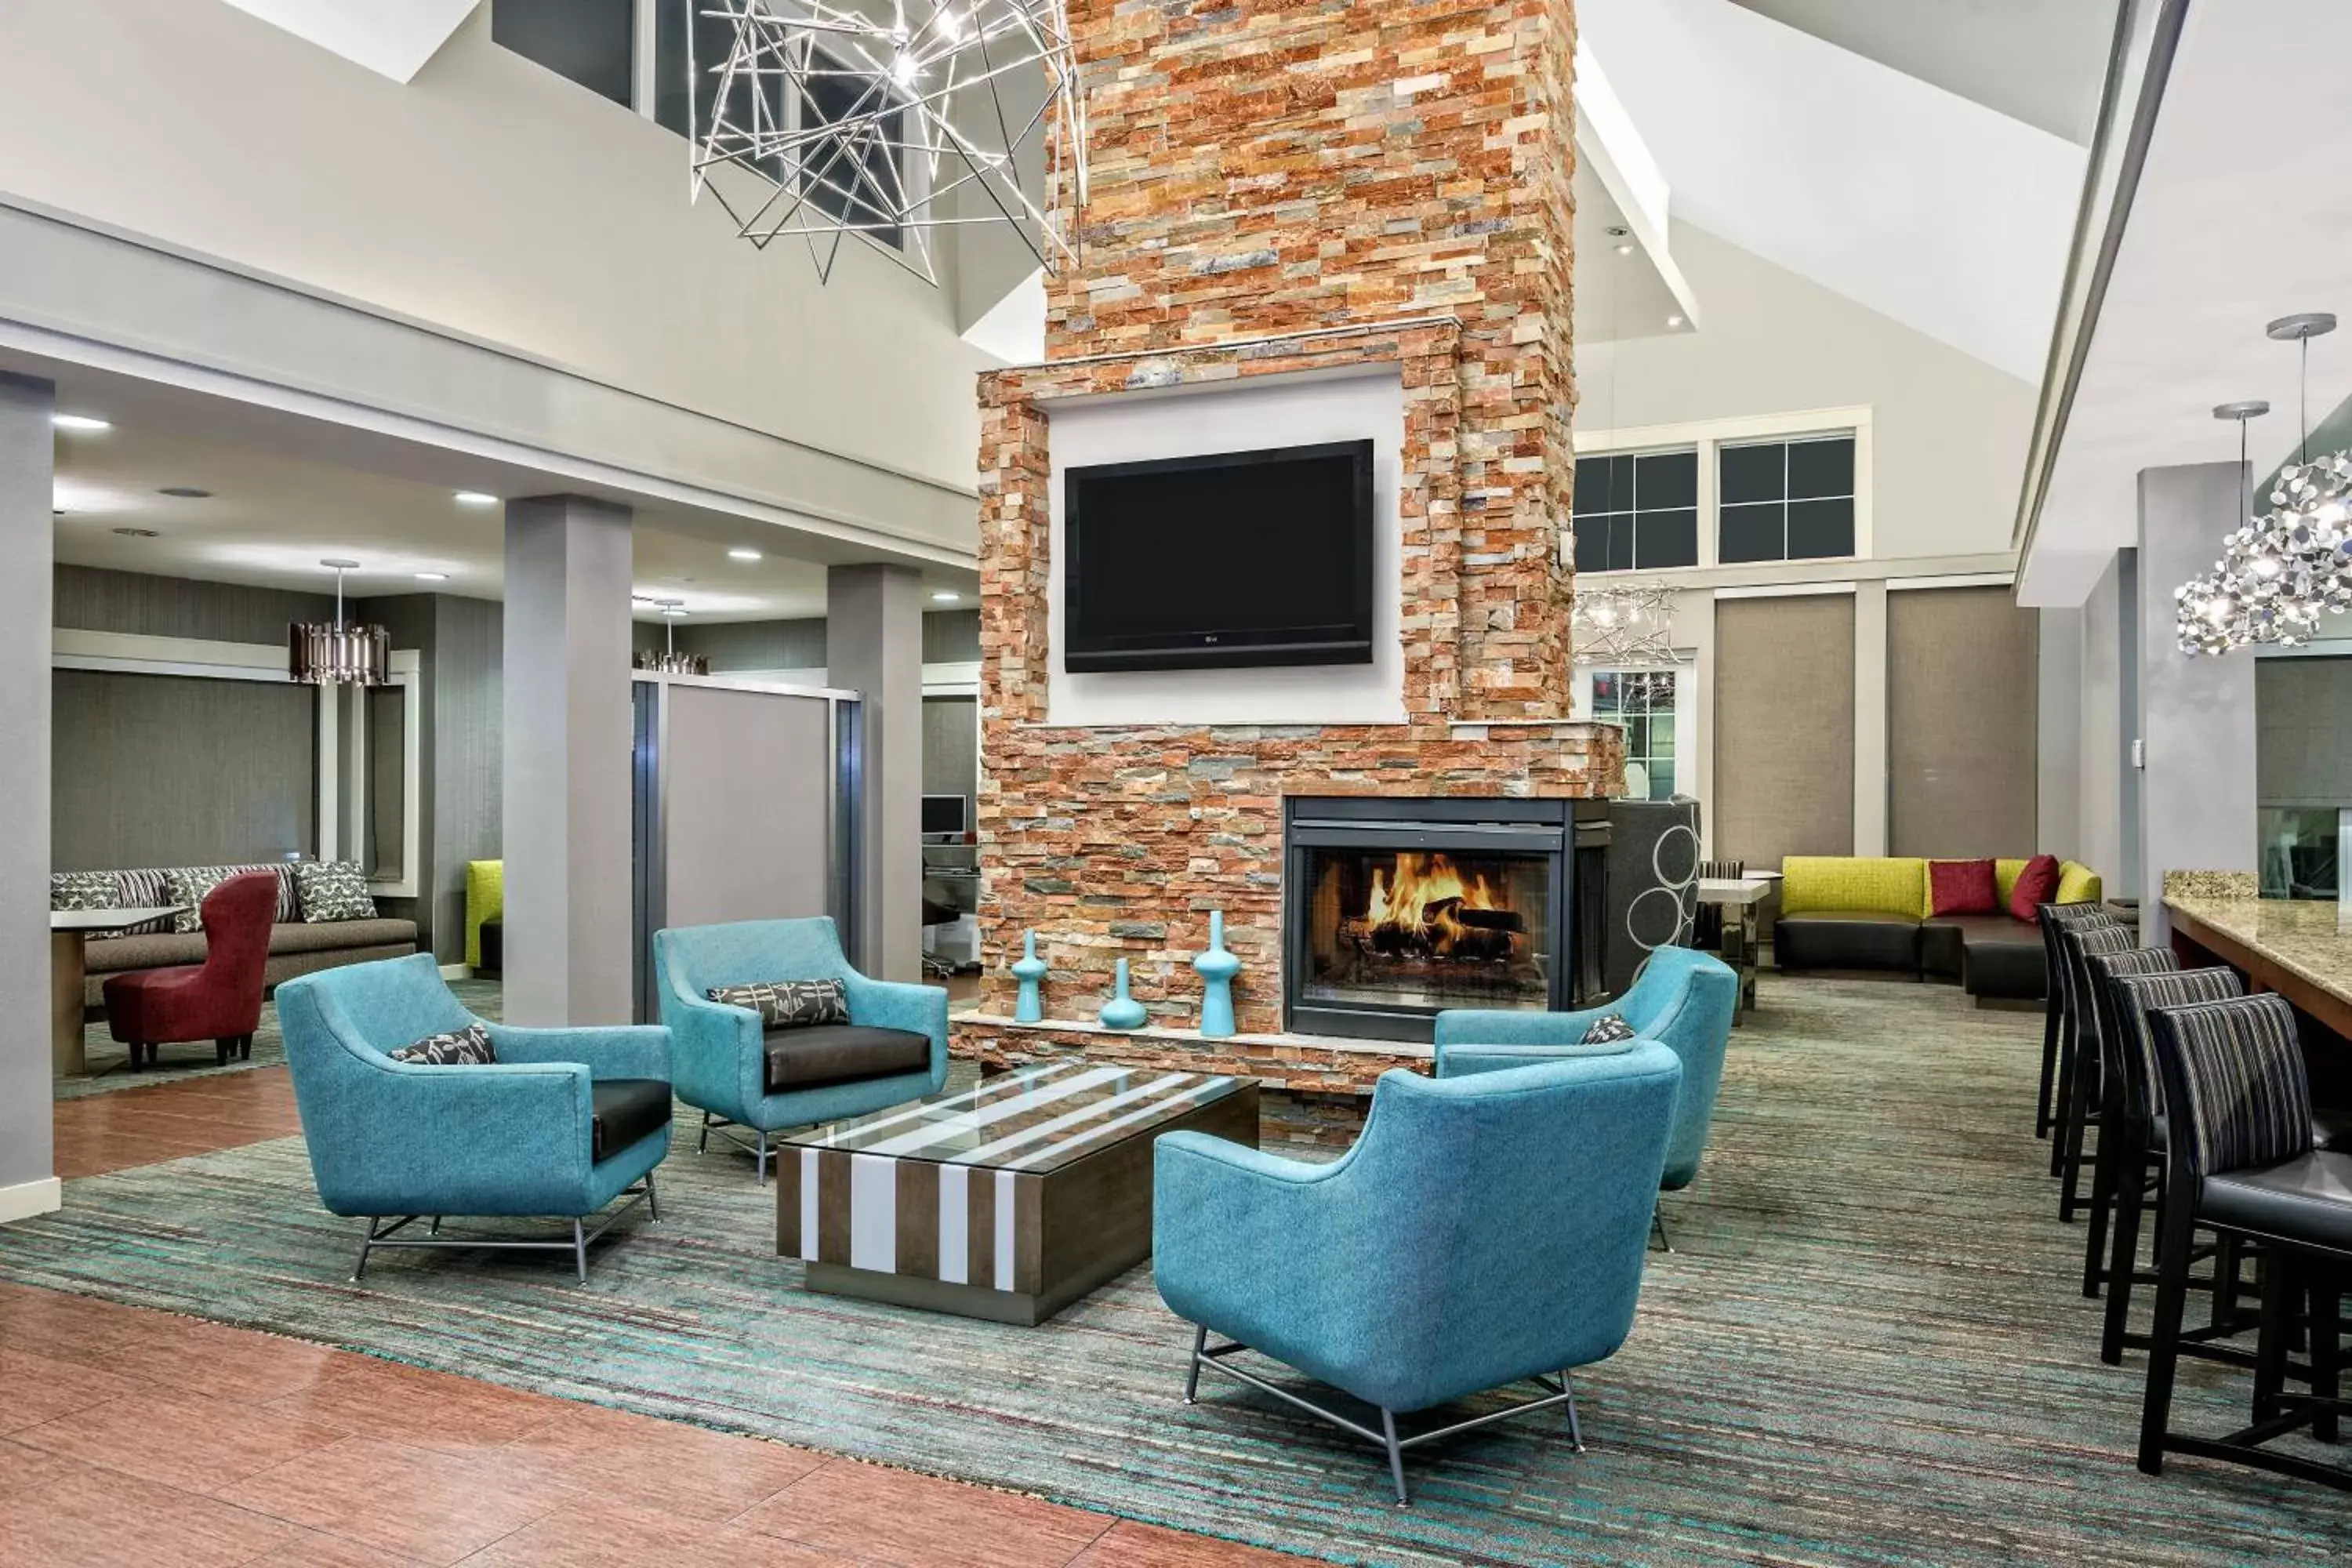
[135, 1437]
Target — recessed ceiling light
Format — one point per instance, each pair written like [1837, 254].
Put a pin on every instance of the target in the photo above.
[1674, 321]
[136, 532]
[80, 423]
[433, 577]
[475, 498]
[185, 492]
[944, 597]
[1625, 251]
[742, 554]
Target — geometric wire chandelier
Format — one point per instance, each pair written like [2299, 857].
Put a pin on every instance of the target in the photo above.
[1622, 625]
[319, 653]
[892, 122]
[2281, 572]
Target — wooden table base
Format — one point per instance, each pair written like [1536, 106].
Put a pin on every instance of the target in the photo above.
[65, 976]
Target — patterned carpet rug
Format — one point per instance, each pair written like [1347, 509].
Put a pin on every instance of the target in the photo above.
[110, 1062]
[1868, 1349]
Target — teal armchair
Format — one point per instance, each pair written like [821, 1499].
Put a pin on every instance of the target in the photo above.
[1684, 999]
[394, 1142]
[721, 1051]
[1482, 1231]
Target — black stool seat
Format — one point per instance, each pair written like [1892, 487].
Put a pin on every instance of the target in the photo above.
[2308, 1198]
[626, 1109]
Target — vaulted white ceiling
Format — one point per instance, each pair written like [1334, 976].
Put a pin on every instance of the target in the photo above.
[1930, 207]
[391, 37]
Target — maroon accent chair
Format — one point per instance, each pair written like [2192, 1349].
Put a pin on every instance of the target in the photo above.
[219, 1000]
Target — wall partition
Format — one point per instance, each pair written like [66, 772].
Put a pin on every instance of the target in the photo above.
[1961, 687]
[745, 809]
[1784, 726]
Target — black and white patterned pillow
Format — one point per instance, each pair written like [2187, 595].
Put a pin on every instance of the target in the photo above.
[467, 1048]
[191, 885]
[145, 890]
[85, 891]
[1609, 1029]
[334, 891]
[788, 1003]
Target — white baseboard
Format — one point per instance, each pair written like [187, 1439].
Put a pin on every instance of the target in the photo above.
[27, 1199]
[457, 972]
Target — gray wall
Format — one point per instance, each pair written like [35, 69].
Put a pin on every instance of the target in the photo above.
[2058, 725]
[951, 745]
[1960, 685]
[2303, 731]
[1784, 726]
[90, 598]
[28, 1167]
[468, 718]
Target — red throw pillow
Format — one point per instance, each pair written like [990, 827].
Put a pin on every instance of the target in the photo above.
[2037, 884]
[1962, 888]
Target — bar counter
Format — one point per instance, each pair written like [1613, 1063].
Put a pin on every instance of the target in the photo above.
[2301, 950]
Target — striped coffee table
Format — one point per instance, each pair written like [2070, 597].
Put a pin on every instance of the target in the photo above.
[1007, 1201]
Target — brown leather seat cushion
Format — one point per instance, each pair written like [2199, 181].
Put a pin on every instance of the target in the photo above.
[841, 1053]
[1847, 939]
[626, 1109]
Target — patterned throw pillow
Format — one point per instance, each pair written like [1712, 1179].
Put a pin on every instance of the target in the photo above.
[465, 1048]
[146, 889]
[190, 885]
[85, 891]
[1607, 1029]
[334, 891]
[788, 1003]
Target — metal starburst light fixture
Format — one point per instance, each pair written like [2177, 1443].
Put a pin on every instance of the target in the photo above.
[1623, 626]
[321, 654]
[892, 122]
[670, 661]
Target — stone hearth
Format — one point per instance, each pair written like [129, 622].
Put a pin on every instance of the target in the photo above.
[1285, 193]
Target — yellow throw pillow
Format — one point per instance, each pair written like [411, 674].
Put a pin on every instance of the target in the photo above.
[2078, 884]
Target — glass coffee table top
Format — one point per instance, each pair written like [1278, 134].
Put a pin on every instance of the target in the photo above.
[1036, 1118]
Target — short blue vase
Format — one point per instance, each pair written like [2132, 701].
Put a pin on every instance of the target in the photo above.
[1030, 970]
[1122, 1011]
[1216, 968]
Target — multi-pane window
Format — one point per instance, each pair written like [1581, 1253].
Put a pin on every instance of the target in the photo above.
[855, 175]
[1642, 701]
[1785, 500]
[1636, 512]
[594, 42]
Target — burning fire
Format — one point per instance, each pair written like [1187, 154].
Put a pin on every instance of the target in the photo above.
[1425, 903]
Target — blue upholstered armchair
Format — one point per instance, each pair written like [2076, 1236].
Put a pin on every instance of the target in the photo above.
[1483, 1230]
[723, 1062]
[563, 1123]
[1684, 999]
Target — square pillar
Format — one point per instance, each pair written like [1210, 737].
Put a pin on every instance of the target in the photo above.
[28, 1183]
[567, 834]
[873, 647]
[2197, 797]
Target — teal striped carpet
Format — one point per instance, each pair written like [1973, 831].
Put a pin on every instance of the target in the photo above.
[1869, 1348]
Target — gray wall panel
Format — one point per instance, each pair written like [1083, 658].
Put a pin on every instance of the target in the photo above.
[1783, 727]
[162, 769]
[89, 598]
[951, 746]
[2303, 731]
[746, 795]
[1960, 685]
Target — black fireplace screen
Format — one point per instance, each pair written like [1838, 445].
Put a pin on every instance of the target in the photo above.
[1426, 930]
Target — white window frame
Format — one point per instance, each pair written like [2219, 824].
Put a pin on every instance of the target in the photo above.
[1709, 437]
[1686, 689]
[1702, 499]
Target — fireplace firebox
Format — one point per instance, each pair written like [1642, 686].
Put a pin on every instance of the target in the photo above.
[1395, 910]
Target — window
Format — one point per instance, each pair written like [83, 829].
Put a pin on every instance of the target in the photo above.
[1643, 702]
[594, 42]
[855, 176]
[1786, 500]
[1637, 512]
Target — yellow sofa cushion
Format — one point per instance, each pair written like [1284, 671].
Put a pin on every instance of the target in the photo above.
[1893, 885]
[486, 899]
[2078, 884]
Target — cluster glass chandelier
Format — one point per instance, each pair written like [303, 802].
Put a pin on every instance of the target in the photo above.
[2281, 571]
[321, 654]
[891, 120]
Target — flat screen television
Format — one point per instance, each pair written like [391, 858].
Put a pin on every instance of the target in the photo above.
[944, 814]
[1242, 558]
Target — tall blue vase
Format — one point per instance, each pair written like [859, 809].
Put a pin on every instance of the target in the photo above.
[1122, 1011]
[1029, 969]
[1216, 968]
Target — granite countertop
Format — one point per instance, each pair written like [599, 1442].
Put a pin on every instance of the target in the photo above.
[2308, 939]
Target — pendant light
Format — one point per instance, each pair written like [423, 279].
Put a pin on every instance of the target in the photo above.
[2225, 608]
[670, 661]
[320, 653]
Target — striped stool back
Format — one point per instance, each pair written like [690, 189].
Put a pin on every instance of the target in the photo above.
[2234, 1084]
[2131, 996]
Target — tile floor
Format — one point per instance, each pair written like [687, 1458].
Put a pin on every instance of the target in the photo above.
[141, 1438]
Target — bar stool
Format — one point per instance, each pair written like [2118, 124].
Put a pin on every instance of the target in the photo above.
[2051, 919]
[2078, 1064]
[2121, 1157]
[2241, 1160]
[2139, 1132]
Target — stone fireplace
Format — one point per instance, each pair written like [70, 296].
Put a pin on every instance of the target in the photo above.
[1397, 907]
[1299, 197]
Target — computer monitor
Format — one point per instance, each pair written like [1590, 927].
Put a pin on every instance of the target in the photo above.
[946, 814]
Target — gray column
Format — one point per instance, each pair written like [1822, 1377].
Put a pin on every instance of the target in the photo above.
[566, 787]
[2058, 736]
[874, 645]
[28, 1183]
[2196, 809]
[1870, 718]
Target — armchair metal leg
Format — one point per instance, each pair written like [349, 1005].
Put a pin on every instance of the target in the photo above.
[580, 1250]
[653, 1203]
[1396, 1455]
[1575, 1428]
[1658, 1224]
[702, 1144]
[763, 1157]
[1193, 1367]
[435, 1228]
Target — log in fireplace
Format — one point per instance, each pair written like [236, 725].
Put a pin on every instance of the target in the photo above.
[1397, 909]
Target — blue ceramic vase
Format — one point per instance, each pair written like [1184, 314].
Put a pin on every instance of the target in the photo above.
[1030, 970]
[1216, 968]
[1122, 1011]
